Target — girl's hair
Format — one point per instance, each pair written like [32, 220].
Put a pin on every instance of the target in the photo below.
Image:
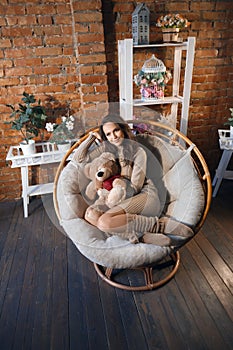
[115, 118]
[129, 147]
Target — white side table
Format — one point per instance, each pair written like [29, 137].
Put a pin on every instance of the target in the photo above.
[45, 154]
[226, 144]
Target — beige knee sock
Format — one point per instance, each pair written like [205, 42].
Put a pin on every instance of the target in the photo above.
[137, 225]
[141, 224]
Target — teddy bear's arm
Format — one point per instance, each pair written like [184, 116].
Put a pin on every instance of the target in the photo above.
[117, 194]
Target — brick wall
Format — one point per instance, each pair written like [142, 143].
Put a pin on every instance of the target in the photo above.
[41, 44]
[42, 41]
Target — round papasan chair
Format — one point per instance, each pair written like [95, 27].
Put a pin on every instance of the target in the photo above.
[185, 178]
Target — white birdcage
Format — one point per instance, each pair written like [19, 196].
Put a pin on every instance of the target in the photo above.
[153, 65]
[153, 79]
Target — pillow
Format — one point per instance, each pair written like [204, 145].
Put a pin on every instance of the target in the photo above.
[186, 200]
[165, 153]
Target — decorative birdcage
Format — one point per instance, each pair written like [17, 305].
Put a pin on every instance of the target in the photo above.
[153, 65]
[152, 79]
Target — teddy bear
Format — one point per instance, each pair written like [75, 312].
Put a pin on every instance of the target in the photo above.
[106, 182]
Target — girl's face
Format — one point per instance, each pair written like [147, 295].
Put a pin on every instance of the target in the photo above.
[113, 133]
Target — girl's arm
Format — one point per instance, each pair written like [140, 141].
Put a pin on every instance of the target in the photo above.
[139, 170]
[81, 152]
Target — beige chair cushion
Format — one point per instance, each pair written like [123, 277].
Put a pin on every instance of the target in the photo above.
[113, 251]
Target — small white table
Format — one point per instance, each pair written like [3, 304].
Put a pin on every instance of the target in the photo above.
[45, 154]
[226, 144]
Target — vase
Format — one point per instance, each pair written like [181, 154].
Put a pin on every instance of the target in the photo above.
[28, 148]
[231, 131]
[170, 34]
[63, 147]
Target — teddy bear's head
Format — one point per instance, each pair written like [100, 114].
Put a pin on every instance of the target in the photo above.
[102, 168]
[106, 170]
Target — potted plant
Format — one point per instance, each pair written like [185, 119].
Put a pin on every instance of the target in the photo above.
[171, 25]
[62, 133]
[230, 122]
[29, 119]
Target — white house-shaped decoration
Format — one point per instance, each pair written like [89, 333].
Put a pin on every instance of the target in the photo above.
[141, 24]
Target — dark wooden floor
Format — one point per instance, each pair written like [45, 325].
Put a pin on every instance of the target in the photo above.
[52, 298]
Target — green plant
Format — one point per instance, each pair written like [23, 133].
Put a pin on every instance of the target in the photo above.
[29, 118]
[230, 120]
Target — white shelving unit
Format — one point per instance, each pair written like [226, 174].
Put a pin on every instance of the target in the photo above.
[125, 64]
[45, 154]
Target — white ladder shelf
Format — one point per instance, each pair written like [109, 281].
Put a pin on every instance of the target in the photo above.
[125, 63]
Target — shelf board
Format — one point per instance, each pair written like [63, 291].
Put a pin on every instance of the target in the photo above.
[165, 100]
[40, 189]
[179, 44]
[46, 156]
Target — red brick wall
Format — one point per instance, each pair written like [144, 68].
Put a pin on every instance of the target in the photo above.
[38, 55]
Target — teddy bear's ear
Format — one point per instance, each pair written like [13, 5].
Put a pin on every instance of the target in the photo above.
[107, 156]
[91, 168]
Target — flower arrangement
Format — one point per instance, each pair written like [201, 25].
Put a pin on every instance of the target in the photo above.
[159, 79]
[152, 84]
[63, 132]
[172, 21]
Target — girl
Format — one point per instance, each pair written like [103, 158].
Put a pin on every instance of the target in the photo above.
[137, 216]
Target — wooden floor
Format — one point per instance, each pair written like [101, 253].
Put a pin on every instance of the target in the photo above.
[52, 298]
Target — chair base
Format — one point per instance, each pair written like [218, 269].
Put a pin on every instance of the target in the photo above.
[107, 275]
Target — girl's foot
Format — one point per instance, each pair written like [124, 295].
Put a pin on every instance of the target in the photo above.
[157, 239]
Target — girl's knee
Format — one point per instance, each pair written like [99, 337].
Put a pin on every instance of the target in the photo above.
[92, 215]
[104, 222]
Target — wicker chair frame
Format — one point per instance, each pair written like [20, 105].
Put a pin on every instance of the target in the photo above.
[177, 138]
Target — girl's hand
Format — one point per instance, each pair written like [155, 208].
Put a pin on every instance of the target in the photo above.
[98, 139]
[97, 135]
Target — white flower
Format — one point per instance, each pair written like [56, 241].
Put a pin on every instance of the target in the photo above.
[62, 131]
[49, 127]
[70, 125]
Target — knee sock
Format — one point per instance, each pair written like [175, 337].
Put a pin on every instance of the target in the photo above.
[137, 225]
[141, 224]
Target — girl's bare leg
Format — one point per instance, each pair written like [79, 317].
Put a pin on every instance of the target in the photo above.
[114, 220]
